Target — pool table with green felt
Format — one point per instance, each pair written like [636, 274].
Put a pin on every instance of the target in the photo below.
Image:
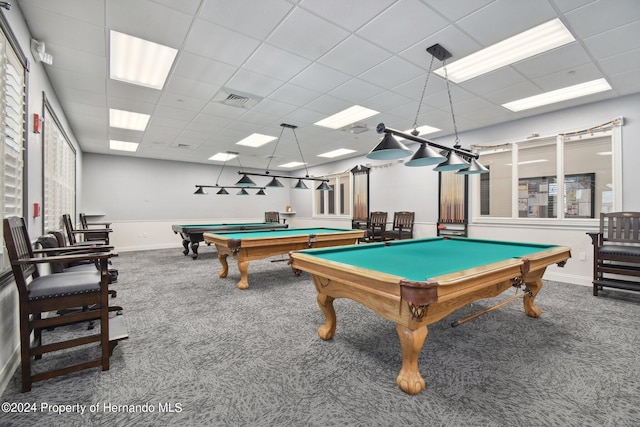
[417, 282]
[250, 245]
[192, 233]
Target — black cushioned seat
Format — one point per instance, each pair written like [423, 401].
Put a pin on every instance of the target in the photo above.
[61, 285]
[619, 250]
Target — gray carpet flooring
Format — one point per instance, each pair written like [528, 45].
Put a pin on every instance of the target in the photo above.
[202, 352]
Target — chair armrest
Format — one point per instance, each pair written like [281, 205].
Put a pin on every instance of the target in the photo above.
[74, 250]
[93, 231]
[101, 224]
[596, 238]
[65, 258]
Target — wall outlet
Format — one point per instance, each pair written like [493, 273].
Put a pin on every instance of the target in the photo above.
[582, 256]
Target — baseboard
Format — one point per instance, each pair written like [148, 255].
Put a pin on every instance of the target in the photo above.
[568, 278]
[9, 369]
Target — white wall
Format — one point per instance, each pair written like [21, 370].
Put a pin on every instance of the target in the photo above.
[37, 84]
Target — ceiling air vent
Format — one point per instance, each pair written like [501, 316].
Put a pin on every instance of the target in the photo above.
[236, 98]
[356, 128]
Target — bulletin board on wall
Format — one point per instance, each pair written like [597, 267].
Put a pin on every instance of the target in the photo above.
[538, 196]
[453, 204]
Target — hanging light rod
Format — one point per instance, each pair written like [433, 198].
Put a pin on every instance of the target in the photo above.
[307, 177]
[381, 128]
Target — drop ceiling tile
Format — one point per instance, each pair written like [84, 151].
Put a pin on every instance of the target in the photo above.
[220, 44]
[493, 81]
[328, 105]
[181, 101]
[458, 43]
[255, 19]
[504, 18]
[562, 58]
[253, 83]
[402, 25]
[573, 76]
[320, 78]
[614, 42]
[295, 95]
[134, 93]
[274, 107]
[625, 62]
[627, 82]
[392, 72]
[601, 16]
[277, 63]
[185, 6]
[386, 100]
[124, 16]
[307, 35]
[349, 14]
[454, 10]
[179, 85]
[203, 69]
[355, 91]
[354, 56]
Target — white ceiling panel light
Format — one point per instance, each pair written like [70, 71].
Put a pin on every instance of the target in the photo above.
[256, 140]
[292, 165]
[570, 92]
[337, 153]
[138, 61]
[123, 145]
[542, 38]
[223, 157]
[128, 119]
[422, 130]
[346, 117]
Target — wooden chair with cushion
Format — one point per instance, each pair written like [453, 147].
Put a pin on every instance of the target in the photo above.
[41, 297]
[377, 226]
[272, 216]
[616, 252]
[402, 226]
[89, 237]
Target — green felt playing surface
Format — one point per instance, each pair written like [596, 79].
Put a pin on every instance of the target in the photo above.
[421, 259]
[259, 234]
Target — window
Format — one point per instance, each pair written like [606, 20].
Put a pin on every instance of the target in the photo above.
[60, 172]
[13, 66]
[338, 201]
[526, 178]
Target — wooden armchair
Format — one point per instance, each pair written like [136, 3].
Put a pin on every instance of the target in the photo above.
[41, 296]
[89, 237]
[377, 226]
[272, 216]
[616, 251]
[402, 226]
[92, 225]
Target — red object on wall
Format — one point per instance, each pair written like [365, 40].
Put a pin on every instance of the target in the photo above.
[36, 210]
[36, 123]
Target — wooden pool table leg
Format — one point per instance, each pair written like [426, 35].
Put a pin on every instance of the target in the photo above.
[328, 330]
[222, 257]
[243, 266]
[530, 308]
[409, 378]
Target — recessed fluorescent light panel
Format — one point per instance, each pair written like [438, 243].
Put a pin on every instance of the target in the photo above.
[529, 162]
[291, 165]
[337, 153]
[123, 145]
[223, 157]
[570, 92]
[139, 62]
[346, 117]
[128, 120]
[256, 140]
[532, 42]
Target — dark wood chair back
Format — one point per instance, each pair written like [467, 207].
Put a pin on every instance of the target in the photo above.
[271, 216]
[377, 225]
[90, 236]
[620, 227]
[402, 226]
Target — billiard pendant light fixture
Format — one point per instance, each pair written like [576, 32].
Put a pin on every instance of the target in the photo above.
[200, 189]
[449, 158]
[245, 181]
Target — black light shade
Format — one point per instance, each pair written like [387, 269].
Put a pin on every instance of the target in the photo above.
[324, 187]
[274, 183]
[425, 156]
[389, 149]
[261, 192]
[200, 190]
[245, 181]
[453, 163]
[300, 185]
[474, 168]
[242, 192]
[222, 191]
